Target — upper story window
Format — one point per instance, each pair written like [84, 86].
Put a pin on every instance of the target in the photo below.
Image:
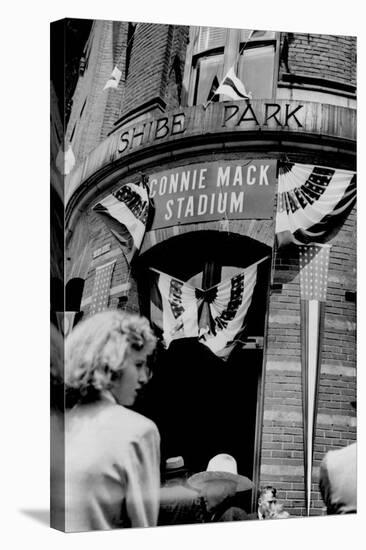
[213, 51]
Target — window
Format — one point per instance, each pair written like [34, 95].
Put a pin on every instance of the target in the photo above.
[206, 79]
[213, 51]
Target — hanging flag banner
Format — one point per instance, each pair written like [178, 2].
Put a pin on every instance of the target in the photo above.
[101, 289]
[216, 316]
[125, 213]
[232, 87]
[114, 79]
[213, 191]
[65, 160]
[310, 198]
[314, 261]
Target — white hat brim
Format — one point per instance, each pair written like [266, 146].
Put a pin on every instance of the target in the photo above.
[197, 481]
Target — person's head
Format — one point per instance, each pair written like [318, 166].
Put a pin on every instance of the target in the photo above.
[267, 501]
[108, 351]
[175, 469]
[217, 491]
[220, 481]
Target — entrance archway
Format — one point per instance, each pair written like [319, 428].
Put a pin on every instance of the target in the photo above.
[202, 404]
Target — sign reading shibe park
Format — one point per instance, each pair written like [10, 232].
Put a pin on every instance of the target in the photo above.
[212, 191]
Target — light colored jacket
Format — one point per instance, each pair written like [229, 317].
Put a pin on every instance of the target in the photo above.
[338, 480]
[112, 475]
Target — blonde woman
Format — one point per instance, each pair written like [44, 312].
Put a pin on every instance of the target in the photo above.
[112, 454]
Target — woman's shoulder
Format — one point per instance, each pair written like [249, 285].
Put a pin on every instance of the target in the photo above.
[132, 422]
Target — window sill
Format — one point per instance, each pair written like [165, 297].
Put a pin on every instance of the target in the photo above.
[310, 83]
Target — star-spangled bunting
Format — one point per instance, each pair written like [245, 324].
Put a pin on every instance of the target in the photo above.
[216, 316]
[309, 201]
[314, 262]
[101, 288]
[125, 213]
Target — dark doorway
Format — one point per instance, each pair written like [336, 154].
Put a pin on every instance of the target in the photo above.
[204, 405]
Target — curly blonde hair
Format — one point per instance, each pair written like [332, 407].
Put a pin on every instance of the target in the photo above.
[97, 349]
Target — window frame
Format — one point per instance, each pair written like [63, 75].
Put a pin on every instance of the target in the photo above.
[230, 51]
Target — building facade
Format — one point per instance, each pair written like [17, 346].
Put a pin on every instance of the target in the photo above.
[212, 166]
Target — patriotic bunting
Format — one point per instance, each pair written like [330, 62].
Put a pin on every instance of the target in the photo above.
[174, 307]
[314, 261]
[114, 79]
[65, 160]
[101, 289]
[215, 316]
[309, 200]
[232, 87]
[125, 213]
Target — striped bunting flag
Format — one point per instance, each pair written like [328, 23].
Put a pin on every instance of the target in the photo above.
[314, 262]
[102, 286]
[310, 199]
[114, 79]
[232, 87]
[125, 213]
[178, 308]
[174, 308]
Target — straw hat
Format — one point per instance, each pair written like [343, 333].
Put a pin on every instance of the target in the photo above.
[221, 467]
[174, 465]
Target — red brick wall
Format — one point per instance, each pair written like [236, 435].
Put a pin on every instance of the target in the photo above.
[322, 56]
[116, 95]
[177, 53]
[282, 446]
[149, 65]
[98, 237]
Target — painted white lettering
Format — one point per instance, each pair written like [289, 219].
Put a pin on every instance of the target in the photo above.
[194, 179]
[180, 204]
[169, 204]
[223, 176]
[263, 175]
[251, 179]
[237, 202]
[189, 208]
[221, 205]
[201, 183]
[162, 185]
[202, 205]
[173, 184]
[152, 191]
[238, 177]
[184, 182]
[212, 206]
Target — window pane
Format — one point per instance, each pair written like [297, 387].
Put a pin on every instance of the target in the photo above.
[210, 37]
[207, 69]
[257, 35]
[256, 71]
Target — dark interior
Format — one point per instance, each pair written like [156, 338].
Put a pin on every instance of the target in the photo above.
[202, 404]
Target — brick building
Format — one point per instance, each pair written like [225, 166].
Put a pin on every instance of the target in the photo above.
[164, 119]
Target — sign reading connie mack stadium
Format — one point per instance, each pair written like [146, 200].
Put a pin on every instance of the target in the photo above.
[212, 191]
